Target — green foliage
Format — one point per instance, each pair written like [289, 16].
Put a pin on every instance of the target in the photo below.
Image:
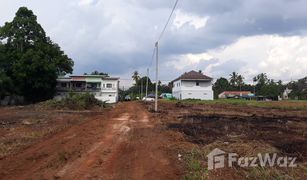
[299, 89]
[267, 87]
[270, 90]
[264, 86]
[236, 80]
[220, 86]
[30, 61]
[6, 84]
[140, 85]
[135, 76]
[98, 73]
[194, 163]
[75, 101]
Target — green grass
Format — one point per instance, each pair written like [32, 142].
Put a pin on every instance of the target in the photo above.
[287, 105]
[194, 163]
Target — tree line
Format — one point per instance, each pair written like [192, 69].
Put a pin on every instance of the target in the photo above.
[262, 86]
[139, 87]
[30, 61]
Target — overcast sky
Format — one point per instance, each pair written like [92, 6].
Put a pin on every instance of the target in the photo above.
[215, 36]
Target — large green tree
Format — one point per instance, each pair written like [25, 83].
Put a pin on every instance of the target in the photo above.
[299, 89]
[30, 60]
[221, 85]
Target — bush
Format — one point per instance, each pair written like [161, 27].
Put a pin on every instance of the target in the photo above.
[76, 101]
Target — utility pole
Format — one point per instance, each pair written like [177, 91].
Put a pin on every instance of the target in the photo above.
[157, 68]
[147, 83]
[141, 88]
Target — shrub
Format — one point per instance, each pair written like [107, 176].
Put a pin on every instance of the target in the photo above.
[76, 101]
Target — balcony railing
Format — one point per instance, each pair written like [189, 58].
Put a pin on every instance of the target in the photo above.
[78, 89]
[109, 89]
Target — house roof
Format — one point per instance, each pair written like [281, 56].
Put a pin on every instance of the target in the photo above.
[236, 92]
[193, 75]
[85, 77]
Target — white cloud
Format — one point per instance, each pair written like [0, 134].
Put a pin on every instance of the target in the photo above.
[182, 18]
[87, 2]
[188, 61]
[117, 36]
[280, 57]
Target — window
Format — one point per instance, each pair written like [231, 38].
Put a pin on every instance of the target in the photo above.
[104, 85]
[63, 85]
[197, 83]
[109, 85]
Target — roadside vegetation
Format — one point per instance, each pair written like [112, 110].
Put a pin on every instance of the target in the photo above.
[75, 101]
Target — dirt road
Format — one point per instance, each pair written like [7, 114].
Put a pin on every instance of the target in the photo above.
[124, 143]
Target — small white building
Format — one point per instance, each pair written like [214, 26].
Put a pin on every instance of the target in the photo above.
[104, 88]
[193, 85]
[285, 94]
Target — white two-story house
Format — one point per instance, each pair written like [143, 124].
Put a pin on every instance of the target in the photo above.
[104, 88]
[193, 85]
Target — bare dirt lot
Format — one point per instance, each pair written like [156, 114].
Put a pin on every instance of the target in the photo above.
[128, 141]
[244, 130]
[124, 142]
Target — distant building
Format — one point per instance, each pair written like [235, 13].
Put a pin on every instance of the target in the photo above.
[193, 85]
[236, 94]
[285, 94]
[104, 88]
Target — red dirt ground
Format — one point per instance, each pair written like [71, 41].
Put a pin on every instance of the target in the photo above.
[129, 142]
[123, 143]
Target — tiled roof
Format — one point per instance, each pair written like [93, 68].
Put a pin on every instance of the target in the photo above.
[193, 75]
[236, 92]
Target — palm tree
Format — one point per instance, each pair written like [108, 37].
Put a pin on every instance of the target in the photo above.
[240, 81]
[135, 76]
[233, 78]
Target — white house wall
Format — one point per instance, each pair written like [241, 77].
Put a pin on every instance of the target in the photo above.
[177, 89]
[189, 90]
[110, 97]
[191, 85]
[197, 94]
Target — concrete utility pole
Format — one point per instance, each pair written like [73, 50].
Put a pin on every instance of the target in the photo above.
[157, 69]
[147, 83]
[141, 88]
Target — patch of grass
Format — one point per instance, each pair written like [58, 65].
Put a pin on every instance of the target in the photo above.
[286, 105]
[194, 163]
[267, 174]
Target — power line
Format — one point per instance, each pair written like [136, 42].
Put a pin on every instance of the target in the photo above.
[157, 54]
[168, 20]
[152, 57]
